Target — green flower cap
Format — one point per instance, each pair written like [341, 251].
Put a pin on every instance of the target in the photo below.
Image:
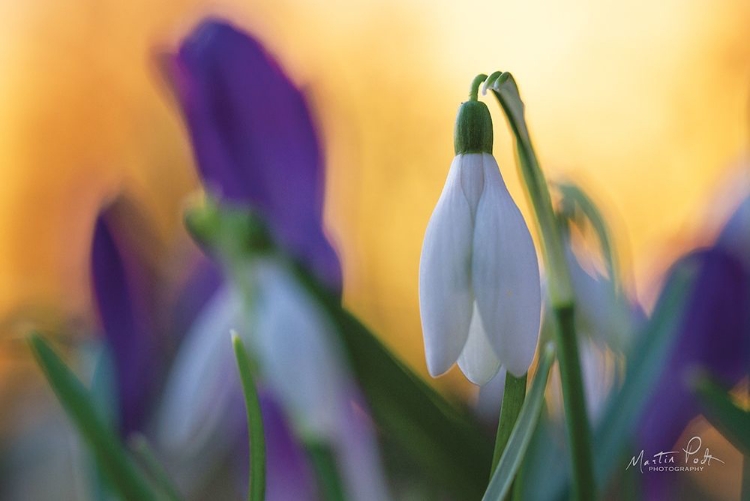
[473, 133]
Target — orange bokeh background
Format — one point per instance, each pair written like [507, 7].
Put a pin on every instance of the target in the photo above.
[643, 102]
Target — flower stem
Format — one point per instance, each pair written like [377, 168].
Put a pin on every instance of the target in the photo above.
[257, 491]
[513, 397]
[474, 90]
[579, 433]
[504, 88]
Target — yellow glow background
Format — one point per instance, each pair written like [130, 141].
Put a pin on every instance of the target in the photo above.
[644, 102]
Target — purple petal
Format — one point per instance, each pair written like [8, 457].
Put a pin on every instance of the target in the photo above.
[714, 333]
[120, 289]
[254, 138]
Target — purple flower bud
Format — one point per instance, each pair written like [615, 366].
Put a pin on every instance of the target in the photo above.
[120, 288]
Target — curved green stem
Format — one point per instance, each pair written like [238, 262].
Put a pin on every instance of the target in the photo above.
[474, 90]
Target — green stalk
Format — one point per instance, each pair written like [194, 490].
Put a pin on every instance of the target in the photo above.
[257, 490]
[504, 88]
[574, 402]
[513, 397]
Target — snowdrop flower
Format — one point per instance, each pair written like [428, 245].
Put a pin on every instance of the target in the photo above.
[479, 287]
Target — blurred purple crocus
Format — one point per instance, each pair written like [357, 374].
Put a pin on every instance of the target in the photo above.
[254, 138]
[714, 334]
[121, 288]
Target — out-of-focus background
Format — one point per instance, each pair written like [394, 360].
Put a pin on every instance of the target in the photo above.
[644, 103]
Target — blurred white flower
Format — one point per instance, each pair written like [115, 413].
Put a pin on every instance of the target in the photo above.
[602, 312]
[294, 343]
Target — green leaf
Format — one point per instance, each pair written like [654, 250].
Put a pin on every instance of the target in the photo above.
[75, 399]
[257, 490]
[510, 462]
[732, 421]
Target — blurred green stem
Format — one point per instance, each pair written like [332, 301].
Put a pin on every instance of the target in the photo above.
[257, 491]
[576, 419]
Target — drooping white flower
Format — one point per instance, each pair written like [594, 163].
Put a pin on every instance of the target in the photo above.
[300, 362]
[299, 357]
[306, 368]
[479, 287]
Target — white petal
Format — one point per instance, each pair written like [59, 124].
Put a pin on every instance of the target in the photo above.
[478, 360]
[202, 379]
[505, 274]
[298, 355]
[445, 296]
[598, 371]
[600, 312]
